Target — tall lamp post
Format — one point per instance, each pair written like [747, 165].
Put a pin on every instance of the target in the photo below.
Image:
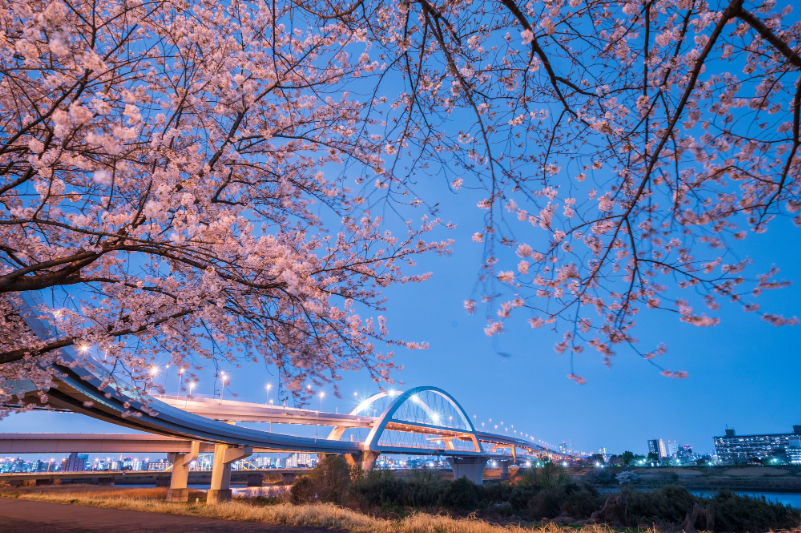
[153, 371]
[191, 386]
[322, 395]
[270, 386]
[180, 380]
[222, 387]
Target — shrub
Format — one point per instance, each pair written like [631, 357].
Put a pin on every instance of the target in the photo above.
[580, 501]
[303, 491]
[522, 493]
[546, 503]
[733, 512]
[668, 504]
[499, 491]
[327, 482]
[423, 490]
[461, 494]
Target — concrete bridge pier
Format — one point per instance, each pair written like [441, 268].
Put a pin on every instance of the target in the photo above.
[224, 455]
[504, 468]
[471, 467]
[366, 459]
[178, 491]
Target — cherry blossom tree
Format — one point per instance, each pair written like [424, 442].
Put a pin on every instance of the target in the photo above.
[624, 147]
[164, 191]
[164, 165]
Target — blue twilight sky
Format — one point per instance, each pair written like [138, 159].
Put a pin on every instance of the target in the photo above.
[743, 373]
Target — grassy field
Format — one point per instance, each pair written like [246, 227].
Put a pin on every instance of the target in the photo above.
[152, 500]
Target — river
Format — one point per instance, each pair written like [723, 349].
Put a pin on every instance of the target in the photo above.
[787, 498]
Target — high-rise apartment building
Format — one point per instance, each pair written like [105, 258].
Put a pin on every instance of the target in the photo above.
[263, 462]
[794, 451]
[733, 448]
[159, 466]
[672, 448]
[657, 446]
[76, 462]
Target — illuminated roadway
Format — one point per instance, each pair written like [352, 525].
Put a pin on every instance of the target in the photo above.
[419, 421]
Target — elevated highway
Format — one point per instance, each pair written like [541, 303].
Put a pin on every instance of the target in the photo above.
[420, 421]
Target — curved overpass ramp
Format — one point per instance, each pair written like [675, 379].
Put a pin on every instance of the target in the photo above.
[421, 421]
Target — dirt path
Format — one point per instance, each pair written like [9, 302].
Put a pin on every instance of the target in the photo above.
[22, 516]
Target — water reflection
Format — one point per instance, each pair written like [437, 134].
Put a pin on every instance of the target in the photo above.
[268, 491]
[787, 498]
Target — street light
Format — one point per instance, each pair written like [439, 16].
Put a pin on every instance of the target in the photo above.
[180, 380]
[153, 371]
[191, 386]
[321, 395]
[222, 388]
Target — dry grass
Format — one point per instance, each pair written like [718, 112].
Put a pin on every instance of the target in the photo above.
[318, 515]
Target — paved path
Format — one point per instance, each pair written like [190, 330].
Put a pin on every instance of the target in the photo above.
[22, 516]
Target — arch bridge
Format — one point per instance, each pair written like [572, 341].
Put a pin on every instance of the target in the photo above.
[420, 421]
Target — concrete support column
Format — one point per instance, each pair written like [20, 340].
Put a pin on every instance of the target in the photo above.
[178, 491]
[220, 476]
[365, 460]
[368, 460]
[504, 469]
[224, 455]
[471, 467]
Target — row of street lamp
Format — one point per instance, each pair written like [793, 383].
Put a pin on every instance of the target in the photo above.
[155, 369]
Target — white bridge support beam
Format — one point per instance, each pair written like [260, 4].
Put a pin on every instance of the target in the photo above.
[224, 455]
[178, 491]
[471, 467]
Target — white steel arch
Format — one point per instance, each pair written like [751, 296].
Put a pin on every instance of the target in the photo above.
[466, 431]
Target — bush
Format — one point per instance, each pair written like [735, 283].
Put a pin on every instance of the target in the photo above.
[498, 491]
[741, 513]
[303, 491]
[668, 504]
[731, 512]
[461, 494]
[328, 482]
[580, 501]
[423, 490]
[547, 503]
[545, 492]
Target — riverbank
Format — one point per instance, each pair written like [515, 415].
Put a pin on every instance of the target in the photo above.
[307, 515]
[736, 478]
